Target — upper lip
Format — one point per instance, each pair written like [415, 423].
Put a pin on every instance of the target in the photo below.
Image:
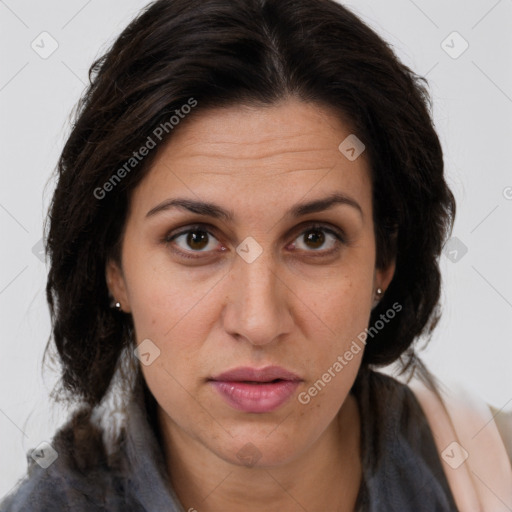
[248, 374]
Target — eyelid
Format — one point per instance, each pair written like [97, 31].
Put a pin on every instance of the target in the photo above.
[324, 226]
[202, 226]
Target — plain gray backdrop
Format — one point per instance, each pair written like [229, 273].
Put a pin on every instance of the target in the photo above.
[463, 48]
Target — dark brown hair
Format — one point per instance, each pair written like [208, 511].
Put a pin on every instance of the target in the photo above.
[254, 52]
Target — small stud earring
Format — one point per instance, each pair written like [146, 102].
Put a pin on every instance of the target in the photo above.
[115, 304]
[379, 292]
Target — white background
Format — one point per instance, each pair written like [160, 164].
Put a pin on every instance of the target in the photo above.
[473, 114]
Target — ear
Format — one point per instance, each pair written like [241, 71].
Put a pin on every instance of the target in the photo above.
[117, 285]
[382, 278]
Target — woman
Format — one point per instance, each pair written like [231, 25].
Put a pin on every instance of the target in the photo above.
[247, 223]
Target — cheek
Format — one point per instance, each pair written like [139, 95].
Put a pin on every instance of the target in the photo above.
[176, 315]
[340, 300]
[164, 302]
[342, 304]
[341, 309]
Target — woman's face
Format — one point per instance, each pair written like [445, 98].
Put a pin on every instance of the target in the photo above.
[277, 279]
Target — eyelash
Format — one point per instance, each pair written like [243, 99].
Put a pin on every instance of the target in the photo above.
[338, 234]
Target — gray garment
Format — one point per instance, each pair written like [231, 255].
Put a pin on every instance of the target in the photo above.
[401, 468]
[84, 478]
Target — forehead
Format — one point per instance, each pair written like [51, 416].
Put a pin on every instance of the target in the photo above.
[246, 157]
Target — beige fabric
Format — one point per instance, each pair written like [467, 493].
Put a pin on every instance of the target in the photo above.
[504, 423]
[473, 454]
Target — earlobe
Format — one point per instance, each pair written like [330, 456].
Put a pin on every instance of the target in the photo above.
[382, 279]
[117, 286]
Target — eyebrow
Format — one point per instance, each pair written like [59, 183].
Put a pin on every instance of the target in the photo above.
[217, 212]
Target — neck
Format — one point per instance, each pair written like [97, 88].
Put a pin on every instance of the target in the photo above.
[326, 476]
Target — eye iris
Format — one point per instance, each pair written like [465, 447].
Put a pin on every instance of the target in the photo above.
[196, 241]
[316, 237]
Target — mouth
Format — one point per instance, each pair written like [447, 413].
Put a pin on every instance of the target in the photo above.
[255, 390]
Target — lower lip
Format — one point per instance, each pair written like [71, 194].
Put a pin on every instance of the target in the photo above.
[250, 397]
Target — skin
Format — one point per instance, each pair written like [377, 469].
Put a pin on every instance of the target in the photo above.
[289, 307]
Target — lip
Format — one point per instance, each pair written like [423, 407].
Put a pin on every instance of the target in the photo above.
[256, 390]
[249, 374]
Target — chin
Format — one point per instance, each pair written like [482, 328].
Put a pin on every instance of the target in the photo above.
[249, 448]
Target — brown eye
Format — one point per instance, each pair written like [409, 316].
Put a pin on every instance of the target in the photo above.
[197, 242]
[196, 239]
[315, 238]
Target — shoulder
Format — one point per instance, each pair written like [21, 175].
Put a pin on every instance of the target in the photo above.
[471, 446]
[399, 455]
[78, 479]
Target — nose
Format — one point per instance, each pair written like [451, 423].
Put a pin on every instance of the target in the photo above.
[257, 303]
